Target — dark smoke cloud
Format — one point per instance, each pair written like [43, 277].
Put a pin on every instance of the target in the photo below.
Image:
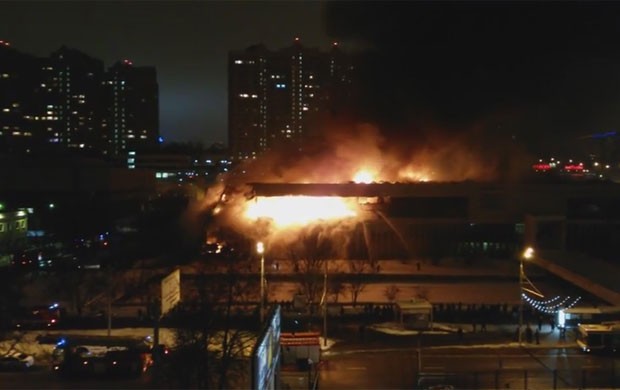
[454, 91]
[426, 154]
[544, 71]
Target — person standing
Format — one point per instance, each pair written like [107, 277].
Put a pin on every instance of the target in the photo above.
[528, 334]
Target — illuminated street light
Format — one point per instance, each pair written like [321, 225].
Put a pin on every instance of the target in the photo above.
[260, 249]
[527, 254]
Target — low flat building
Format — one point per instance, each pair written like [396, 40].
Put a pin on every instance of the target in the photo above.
[13, 228]
[415, 314]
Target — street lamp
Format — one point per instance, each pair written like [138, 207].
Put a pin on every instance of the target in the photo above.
[260, 249]
[527, 254]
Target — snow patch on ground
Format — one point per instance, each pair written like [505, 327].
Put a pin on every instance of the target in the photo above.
[326, 346]
[397, 329]
[27, 342]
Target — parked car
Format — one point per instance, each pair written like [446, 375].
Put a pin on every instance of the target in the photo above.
[125, 362]
[16, 361]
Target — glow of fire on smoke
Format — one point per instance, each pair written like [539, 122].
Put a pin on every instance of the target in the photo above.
[412, 175]
[299, 210]
[363, 177]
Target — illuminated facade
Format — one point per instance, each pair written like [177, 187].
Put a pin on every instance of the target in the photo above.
[67, 101]
[73, 103]
[132, 98]
[20, 99]
[282, 97]
[13, 227]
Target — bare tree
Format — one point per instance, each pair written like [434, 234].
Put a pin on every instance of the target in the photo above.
[335, 288]
[212, 343]
[309, 255]
[77, 287]
[10, 295]
[421, 292]
[391, 292]
[358, 271]
[234, 341]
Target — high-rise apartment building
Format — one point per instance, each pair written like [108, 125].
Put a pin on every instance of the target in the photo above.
[74, 101]
[282, 97]
[20, 98]
[67, 101]
[132, 101]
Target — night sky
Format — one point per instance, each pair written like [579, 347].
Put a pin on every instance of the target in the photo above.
[188, 43]
[540, 73]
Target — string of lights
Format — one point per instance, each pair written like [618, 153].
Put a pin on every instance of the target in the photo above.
[549, 306]
[543, 306]
[547, 302]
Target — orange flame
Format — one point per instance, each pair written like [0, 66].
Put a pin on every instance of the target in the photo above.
[411, 175]
[363, 177]
[299, 210]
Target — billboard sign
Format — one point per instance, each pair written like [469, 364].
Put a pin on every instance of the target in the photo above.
[266, 356]
[170, 291]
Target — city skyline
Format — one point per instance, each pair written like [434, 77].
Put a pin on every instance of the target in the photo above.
[285, 98]
[542, 74]
[196, 38]
[68, 101]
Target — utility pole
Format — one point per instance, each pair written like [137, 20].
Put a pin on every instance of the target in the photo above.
[325, 305]
[260, 248]
[520, 300]
[419, 351]
[109, 314]
[110, 294]
[527, 254]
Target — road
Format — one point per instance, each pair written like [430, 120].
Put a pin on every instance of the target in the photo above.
[397, 368]
[42, 377]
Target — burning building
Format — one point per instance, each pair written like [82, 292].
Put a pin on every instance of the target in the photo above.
[435, 219]
[452, 197]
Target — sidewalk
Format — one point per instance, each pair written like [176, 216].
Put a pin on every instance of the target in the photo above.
[495, 336]
[504, 267]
